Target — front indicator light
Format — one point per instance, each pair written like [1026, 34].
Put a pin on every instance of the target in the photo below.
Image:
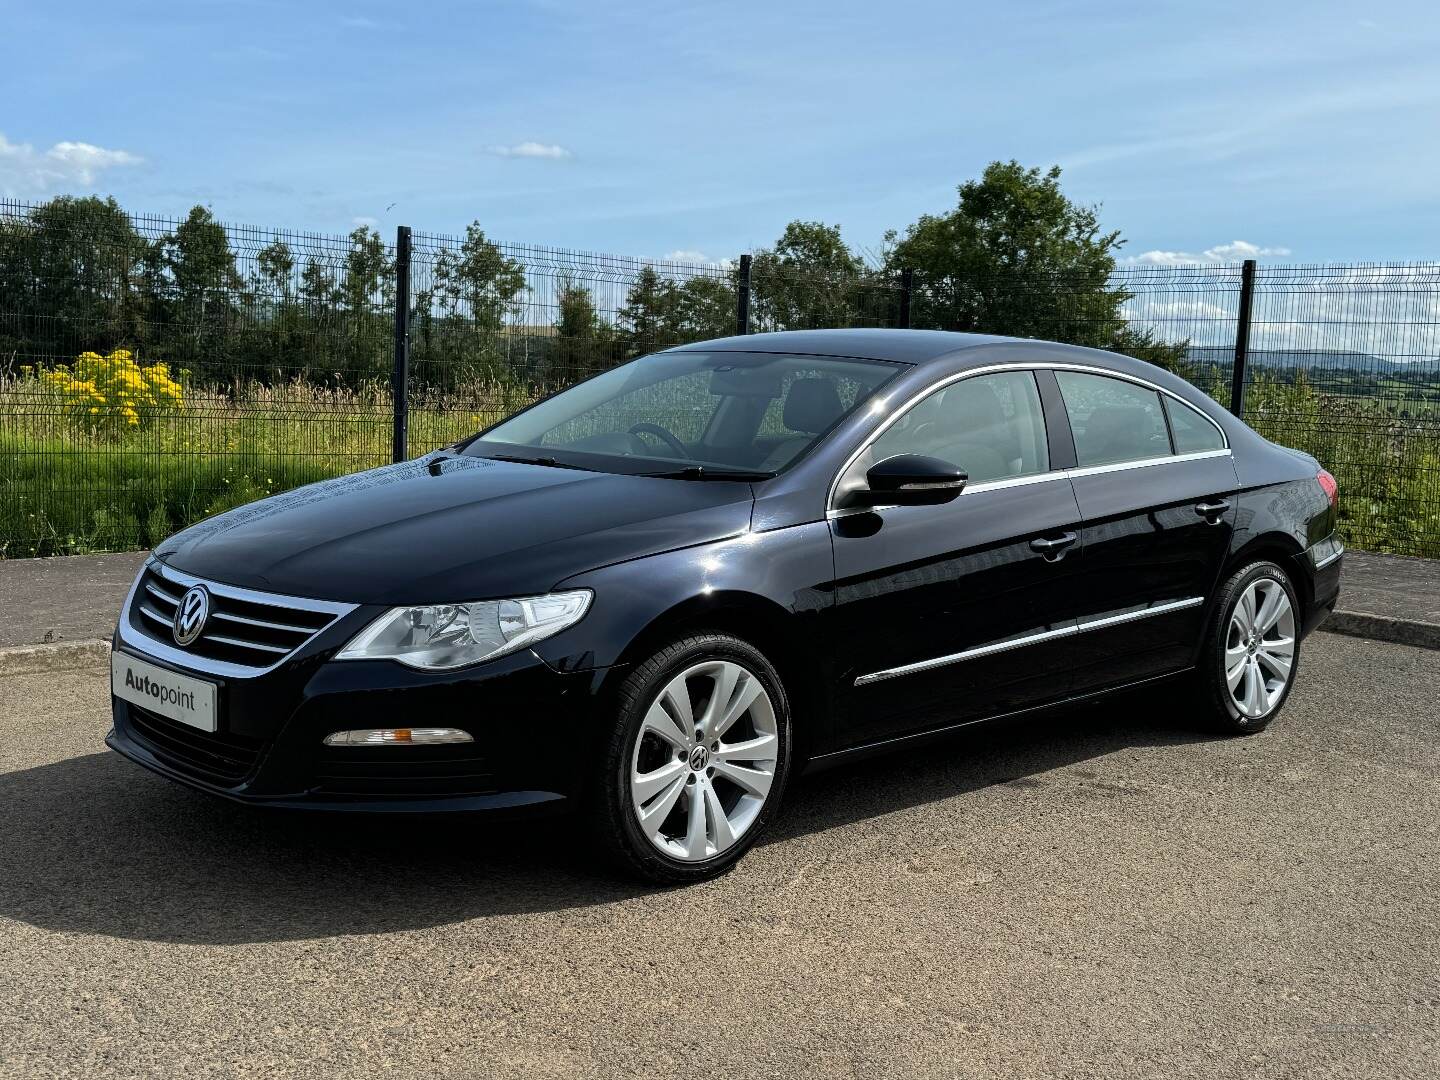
[398, 736]
[442, 637]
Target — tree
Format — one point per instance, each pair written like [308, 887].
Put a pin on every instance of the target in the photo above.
[575, 314]
[809, 279]
[274, 270]
[194, 284]
[366, 297]
[661, 311]
[651, 315]
[582, 342]
[459, 317]
[1016, 256]
[705, 307]
[71, 280]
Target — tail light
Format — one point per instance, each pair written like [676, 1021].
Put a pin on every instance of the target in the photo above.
[1330, 487]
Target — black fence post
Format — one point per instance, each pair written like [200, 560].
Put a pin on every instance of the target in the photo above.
[742, 297]
[1242, 338]
[907, 286]
[400, 384]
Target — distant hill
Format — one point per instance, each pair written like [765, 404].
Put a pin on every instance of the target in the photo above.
[1313, 360]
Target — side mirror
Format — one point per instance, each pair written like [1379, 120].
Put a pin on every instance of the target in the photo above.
[910, 480]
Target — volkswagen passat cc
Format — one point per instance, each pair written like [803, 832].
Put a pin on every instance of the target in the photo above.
[654, 596]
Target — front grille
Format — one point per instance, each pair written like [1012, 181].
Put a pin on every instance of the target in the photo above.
[403, 771]
[250, 630]
[219, 757]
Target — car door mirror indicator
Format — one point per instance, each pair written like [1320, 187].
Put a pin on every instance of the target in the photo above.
[909, 480]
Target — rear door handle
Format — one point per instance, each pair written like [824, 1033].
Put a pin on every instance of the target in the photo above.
[1211, 511]
[1053, 549]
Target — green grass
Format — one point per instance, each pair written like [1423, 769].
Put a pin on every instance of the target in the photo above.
[65, 492]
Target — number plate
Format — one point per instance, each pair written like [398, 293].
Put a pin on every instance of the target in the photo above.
[182, 698]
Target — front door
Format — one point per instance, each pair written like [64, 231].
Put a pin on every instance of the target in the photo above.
[948, 613]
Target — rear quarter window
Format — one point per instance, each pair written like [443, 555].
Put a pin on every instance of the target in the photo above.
[1193, 432]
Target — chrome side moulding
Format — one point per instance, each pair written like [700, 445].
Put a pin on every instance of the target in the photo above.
[1007, 644]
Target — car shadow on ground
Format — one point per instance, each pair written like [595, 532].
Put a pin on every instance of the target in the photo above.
[95, 845]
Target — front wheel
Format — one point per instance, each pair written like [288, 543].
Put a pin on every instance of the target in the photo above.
[696, 762]
[1252, 649]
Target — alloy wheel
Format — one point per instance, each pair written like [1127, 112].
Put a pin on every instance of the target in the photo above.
[704, 761]
[1260, 648]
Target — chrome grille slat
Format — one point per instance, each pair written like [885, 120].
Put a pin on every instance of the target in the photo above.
[307, 631]
[161, 594]
[247, 633]
[277, 649]
[163, 620]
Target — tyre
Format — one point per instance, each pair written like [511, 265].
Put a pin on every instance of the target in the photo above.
[1251, 651]
[696, 763]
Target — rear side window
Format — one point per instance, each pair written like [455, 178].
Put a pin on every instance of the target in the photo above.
[1113, 420]
[1193, 432]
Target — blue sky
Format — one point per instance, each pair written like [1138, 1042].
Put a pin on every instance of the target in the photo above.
[1303, 131]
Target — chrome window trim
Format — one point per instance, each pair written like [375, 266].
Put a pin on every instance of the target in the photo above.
[1022, 365]
[1145, 463]
[1046, 477]
[181, 658]
[1007, 644]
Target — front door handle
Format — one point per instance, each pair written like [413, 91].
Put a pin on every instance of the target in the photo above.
[1053, 549]
[1211, 511]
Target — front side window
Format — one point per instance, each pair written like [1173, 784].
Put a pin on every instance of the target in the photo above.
[991, 426]
[1113, 420]
[1193, 433]
[747, 412]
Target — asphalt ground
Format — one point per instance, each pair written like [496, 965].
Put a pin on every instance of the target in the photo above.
[1102, 893]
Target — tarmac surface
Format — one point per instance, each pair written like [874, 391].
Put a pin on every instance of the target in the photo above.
[1101, 893]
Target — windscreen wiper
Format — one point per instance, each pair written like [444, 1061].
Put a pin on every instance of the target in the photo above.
[538, 459]
[703, 472]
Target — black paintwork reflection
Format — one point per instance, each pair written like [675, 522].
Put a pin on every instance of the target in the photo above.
[1145, 543]
[936, 580]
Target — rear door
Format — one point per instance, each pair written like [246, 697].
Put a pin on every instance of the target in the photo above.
[1156, 486]
[948, 613]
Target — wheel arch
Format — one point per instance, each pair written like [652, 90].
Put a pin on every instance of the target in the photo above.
[1284, 551]
[777, 633]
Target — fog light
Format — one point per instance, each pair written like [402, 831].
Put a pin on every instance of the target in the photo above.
[398, 736]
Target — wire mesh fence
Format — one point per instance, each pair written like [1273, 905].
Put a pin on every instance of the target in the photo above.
[1344, 361]
[154, 371]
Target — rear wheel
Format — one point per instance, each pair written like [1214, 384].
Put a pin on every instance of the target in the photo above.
[1252, 648]
[696, 762]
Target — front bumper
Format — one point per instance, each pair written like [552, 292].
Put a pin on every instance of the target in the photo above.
[531, 724]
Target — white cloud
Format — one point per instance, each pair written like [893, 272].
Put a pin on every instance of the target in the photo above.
[359, 22]
[1233, 252]
[27, 171]
[684, 256]
[532, 150]
[367, 222]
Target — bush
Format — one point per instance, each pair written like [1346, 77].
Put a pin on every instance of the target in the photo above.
[113, 394]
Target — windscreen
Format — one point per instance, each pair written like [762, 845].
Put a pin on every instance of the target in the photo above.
[738, 412]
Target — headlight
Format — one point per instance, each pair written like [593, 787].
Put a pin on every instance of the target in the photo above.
[438, 637]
